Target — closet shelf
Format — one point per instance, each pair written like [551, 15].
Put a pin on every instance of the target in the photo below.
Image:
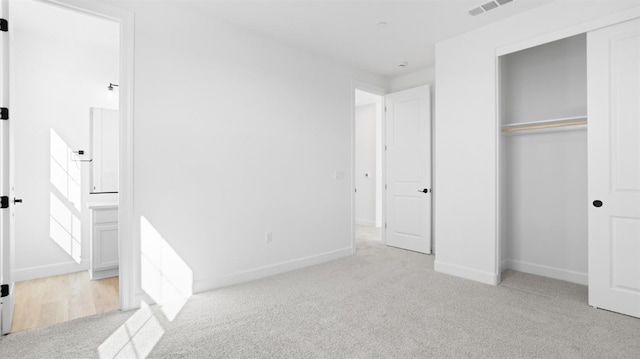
[555, 124]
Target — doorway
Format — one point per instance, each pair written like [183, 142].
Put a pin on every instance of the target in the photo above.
[393, 205]
[368, 165]
[65, 71]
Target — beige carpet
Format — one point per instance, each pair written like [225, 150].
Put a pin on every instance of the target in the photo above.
[381, 303]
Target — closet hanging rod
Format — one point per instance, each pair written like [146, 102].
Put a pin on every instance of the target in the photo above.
[541, 126]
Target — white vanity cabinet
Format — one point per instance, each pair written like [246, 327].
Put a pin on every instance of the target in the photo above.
[104, 241]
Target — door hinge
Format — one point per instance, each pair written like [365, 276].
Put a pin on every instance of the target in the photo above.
[385, 147]
[4, 290]
[355, 190]
[385, 109]
[385, 225]
[4, 202]
[4, 113]
[385, 186]
[4, 25]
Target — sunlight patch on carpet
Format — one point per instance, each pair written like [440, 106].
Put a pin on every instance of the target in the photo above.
[135, 338]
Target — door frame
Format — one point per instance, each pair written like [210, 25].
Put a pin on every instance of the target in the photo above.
[128, 238]
[577, 29]
[6, 245]
[357, 85]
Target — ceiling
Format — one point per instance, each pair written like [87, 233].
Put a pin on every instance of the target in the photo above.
[38, 18]
[348, 30]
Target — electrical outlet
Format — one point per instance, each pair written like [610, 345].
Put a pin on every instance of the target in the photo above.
[268, 237]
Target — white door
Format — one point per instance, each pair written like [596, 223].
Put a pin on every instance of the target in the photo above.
[6, 303]
[613, 60]
[408, 170]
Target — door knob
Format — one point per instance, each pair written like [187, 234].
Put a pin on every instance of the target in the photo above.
[17, 200]
[426, 190]
[597, 203]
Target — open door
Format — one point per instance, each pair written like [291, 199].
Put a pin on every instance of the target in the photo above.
[6, 299]
[613, 60]
[408, 170]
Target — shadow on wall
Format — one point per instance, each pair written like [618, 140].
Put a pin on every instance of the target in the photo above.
[168, 280]
[65, 197]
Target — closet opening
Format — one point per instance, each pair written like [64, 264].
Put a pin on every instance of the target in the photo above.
[569, 196]
[543, 160]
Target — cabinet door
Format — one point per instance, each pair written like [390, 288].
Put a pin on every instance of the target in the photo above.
[105, 250]
[614, 167]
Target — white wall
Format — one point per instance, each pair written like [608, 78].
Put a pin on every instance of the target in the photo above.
[365, 175]
[379, 160]
[57, 74]
[237, 135]
[545, 215]
[466, 141]
[414, 79]
[545, 82]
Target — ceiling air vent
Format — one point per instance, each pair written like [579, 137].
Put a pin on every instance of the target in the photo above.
[476, 11]
[488, 7]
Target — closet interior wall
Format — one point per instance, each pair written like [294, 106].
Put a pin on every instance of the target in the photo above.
[544, 170]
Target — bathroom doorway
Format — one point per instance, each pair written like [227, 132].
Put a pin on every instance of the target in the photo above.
[65, 103]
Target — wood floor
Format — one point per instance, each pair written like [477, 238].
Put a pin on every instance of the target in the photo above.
[46, 301]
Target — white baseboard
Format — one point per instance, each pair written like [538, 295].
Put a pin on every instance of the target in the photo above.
[49, 270]
[365, 222]
[547, 271]
[466, 273]
[104, 273]
[204, 285]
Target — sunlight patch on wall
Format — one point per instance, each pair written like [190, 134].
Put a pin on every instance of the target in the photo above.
[66, 174]
[165, 277]
[136, 338]
[65, 228]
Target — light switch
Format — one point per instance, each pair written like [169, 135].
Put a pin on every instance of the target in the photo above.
[339, 174]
